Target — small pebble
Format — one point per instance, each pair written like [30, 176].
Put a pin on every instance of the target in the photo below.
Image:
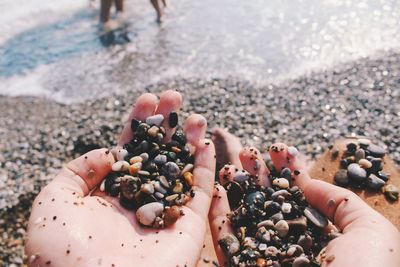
[391, 192]
[356, 173]
[374, 182]
[147, 188]
[281, 182]
[286, 207]
[135, 159]
[121, 154]
[315, 217]
[365, 164]
[376, 151]
[341, 177]
[135, 168]
[155, 120]
[241, 176]
[360, 154]
[120, 166]
[301, 261]
[171, 215]
[282, 227]
[178, 188]
[147, 213]
[292, 151]
[188, 176]
[160, 159]
[229, 244]
[173, 119]
[363, 142]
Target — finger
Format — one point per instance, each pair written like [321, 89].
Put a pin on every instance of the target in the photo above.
[145, 106]
[227, 173]
[219, 222]
[195, 130]
[344, 208]
[253, 162]
[86, 172]
[283, 156]
[203, 173]
[170, 101]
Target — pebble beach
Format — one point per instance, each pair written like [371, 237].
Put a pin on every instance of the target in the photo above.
[361, 97]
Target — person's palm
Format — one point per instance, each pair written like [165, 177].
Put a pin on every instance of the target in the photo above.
[71, 227]
[368, 238]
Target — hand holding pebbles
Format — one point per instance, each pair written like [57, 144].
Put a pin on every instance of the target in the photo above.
[150, 176]
[273, 226]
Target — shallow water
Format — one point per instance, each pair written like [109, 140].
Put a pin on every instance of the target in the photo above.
[55, 49]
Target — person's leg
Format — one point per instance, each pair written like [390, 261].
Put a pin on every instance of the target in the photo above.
[157, 8]
[119, 4]
[105, 10]
[164, 3]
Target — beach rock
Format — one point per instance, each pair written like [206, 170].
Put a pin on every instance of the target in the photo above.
[359, 154]
[229, 244]
[155, 120]
[121, 154]
[315, 217]
[391, 192]
[241, 176]
[281, 182]
[147, 188]
[286, 207]
[235, 193]
[356, 173]
[171, 215]
[147, 214]
[365, 164]
[120, 166]
[171, 170]
[374, 182]
[301, 261]
[282, 227]
[129, 186]
[160, 159]
[341, 178]
[173, 119]
[376, 151]
[306, 242]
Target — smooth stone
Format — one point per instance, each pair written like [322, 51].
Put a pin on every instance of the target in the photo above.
[147, 214]
[374, 182]
[282, 227]
[286, 173]
[158, 187]
[147, 188]
[135, 159]
[281, 192]
[292, 151]
[229, 244]
[271, 251]
[155, 120]
[172, 170]
[277, 217]
[351, 147]
[249, 242]
[315, 217]
[391, 192]
[172, 197]
[188, 168]
[144, 156]
[360, 154]
[235, 193]
[141, 130]
[171, 215]
[341, 177]
[376, 151]
[159, 195]
[266, 223]
[365, 164]
[281, 182]
[294, 251]
[286, 207]
[376, 165]
[241, 176]
[121, 154]
[134, 124]
[363, 142]
[188, 176]
[173, 119]
[298, 223]
[305, 241]
[164, 182]
[356, 173]
[272, 207]
[153, 132]
[135, 168]
[263, 235]
[301, 261]
[121, 165]
[262, 247]
[178, 188]
[180, 137]
[384, 176]
[254, 200]
[129, 186]
[160, 159]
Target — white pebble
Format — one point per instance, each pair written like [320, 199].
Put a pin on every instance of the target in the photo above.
[286, 207]
[155, 120]
[293, 151]
[121, 154]
[103, 185]
[120, 166]
[282, 227]
[147, 214]
[281, 182]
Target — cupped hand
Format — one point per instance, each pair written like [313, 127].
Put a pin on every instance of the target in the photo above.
[74, 224]
[368, 238]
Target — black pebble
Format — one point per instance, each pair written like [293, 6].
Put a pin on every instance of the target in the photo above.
[173, 119]
[134, 125]
[180, 137]
[351, 148]
[376, 151]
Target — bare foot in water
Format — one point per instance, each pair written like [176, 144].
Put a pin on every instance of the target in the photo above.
[227, 147]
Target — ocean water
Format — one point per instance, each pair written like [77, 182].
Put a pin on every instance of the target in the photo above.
[56, 49]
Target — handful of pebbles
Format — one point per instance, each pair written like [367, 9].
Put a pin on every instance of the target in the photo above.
[152, 177]
[272, 226]
[362, 167]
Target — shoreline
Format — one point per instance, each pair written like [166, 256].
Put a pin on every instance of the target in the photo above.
[310, 112]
